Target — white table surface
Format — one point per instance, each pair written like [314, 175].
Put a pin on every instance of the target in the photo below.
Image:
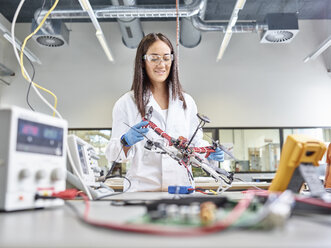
[59, 227]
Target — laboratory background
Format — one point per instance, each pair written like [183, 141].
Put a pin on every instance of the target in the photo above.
[260, 70]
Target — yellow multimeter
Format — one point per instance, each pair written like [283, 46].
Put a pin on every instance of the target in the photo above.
[299, 155]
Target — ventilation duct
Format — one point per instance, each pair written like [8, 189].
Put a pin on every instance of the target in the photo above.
[55, 34]
[282, 28]
[131, 29]
[138, 11]
[190, 36]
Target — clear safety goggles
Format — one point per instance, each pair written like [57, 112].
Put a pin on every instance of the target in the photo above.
[156, 59]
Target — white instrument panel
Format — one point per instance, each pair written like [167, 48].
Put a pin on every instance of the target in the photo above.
[85, 160]
[32, 158]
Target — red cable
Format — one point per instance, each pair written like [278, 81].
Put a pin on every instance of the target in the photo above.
[150, 229]
[87, 204]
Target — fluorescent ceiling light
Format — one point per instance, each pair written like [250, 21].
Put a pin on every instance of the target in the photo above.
[234, 17]
[240, 4]
[224, 45]
[27, 52]
[319, 50]
[88, 8]
[104, 45]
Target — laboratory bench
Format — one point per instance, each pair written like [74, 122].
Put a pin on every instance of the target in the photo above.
[204, 183]
[60, 227]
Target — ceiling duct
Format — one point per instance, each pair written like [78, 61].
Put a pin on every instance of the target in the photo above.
[190, 36]
[130, 33]
[282, 28]
[55, 34]
[131, 28]
[138, 11]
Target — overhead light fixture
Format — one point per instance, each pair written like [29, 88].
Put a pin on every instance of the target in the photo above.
[232, 22]
[27, 52]
[88, 8]
[319, 50]
[104, 45]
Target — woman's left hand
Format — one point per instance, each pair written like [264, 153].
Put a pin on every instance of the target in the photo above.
[218, 155]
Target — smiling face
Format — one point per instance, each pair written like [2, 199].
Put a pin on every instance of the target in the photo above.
[158, 72]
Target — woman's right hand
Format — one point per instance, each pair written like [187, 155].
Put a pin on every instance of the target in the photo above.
[135, 134]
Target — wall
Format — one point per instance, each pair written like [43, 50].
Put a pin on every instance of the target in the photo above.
[254, 84]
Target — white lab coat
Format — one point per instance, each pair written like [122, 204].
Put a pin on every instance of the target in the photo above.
[150, 171]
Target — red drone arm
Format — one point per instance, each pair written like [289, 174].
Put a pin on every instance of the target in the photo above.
[205, 149]
[159, 131]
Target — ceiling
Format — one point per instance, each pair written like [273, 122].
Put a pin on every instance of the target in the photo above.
[254, 10]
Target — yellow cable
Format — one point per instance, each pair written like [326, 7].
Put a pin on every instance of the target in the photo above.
[214, 192]
[49, 92]
[22, 49]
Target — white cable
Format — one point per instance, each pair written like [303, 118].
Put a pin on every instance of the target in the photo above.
[41, 97]
[18, 59]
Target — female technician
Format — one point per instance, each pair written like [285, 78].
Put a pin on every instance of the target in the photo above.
[155, 84]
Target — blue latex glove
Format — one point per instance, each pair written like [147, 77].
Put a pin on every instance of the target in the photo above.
[218, 155]
[135, 134]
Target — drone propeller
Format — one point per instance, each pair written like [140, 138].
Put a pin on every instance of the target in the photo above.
[203, 120]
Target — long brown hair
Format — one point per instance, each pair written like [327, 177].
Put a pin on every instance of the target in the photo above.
[141, 83]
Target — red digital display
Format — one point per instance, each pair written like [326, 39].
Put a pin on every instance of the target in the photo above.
[30, 130]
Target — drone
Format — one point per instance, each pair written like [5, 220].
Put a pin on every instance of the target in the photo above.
[180, 150]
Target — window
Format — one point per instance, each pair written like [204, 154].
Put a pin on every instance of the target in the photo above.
[98, 139]
[256, 149]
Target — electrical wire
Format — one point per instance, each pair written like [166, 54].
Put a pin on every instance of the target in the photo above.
[22, 50]
[113, 164]
[18, 59]
[33, 74]
[118, 193]
[177, 34]
[34, 86]
[204, 191]
[221, 225]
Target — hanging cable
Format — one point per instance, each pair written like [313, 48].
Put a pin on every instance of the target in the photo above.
[33, 74]
[21, 54]
[18, 59]
[34, 86]
[28, 92]
[177, 33]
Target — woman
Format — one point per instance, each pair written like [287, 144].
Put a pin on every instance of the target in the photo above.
[155, 84]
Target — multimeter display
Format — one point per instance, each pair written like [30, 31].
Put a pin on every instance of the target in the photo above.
[39, 138]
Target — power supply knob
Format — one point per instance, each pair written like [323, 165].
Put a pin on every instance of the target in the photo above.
[24, 173]
[57, 174]
[40, 174]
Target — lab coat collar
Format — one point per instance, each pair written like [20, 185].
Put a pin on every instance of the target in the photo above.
[174, 107]
[177, 103]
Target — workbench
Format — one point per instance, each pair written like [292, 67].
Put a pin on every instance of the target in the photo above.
[59, 227]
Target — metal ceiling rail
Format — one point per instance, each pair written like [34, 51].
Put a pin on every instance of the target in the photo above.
[138, 11]
[246, 27]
